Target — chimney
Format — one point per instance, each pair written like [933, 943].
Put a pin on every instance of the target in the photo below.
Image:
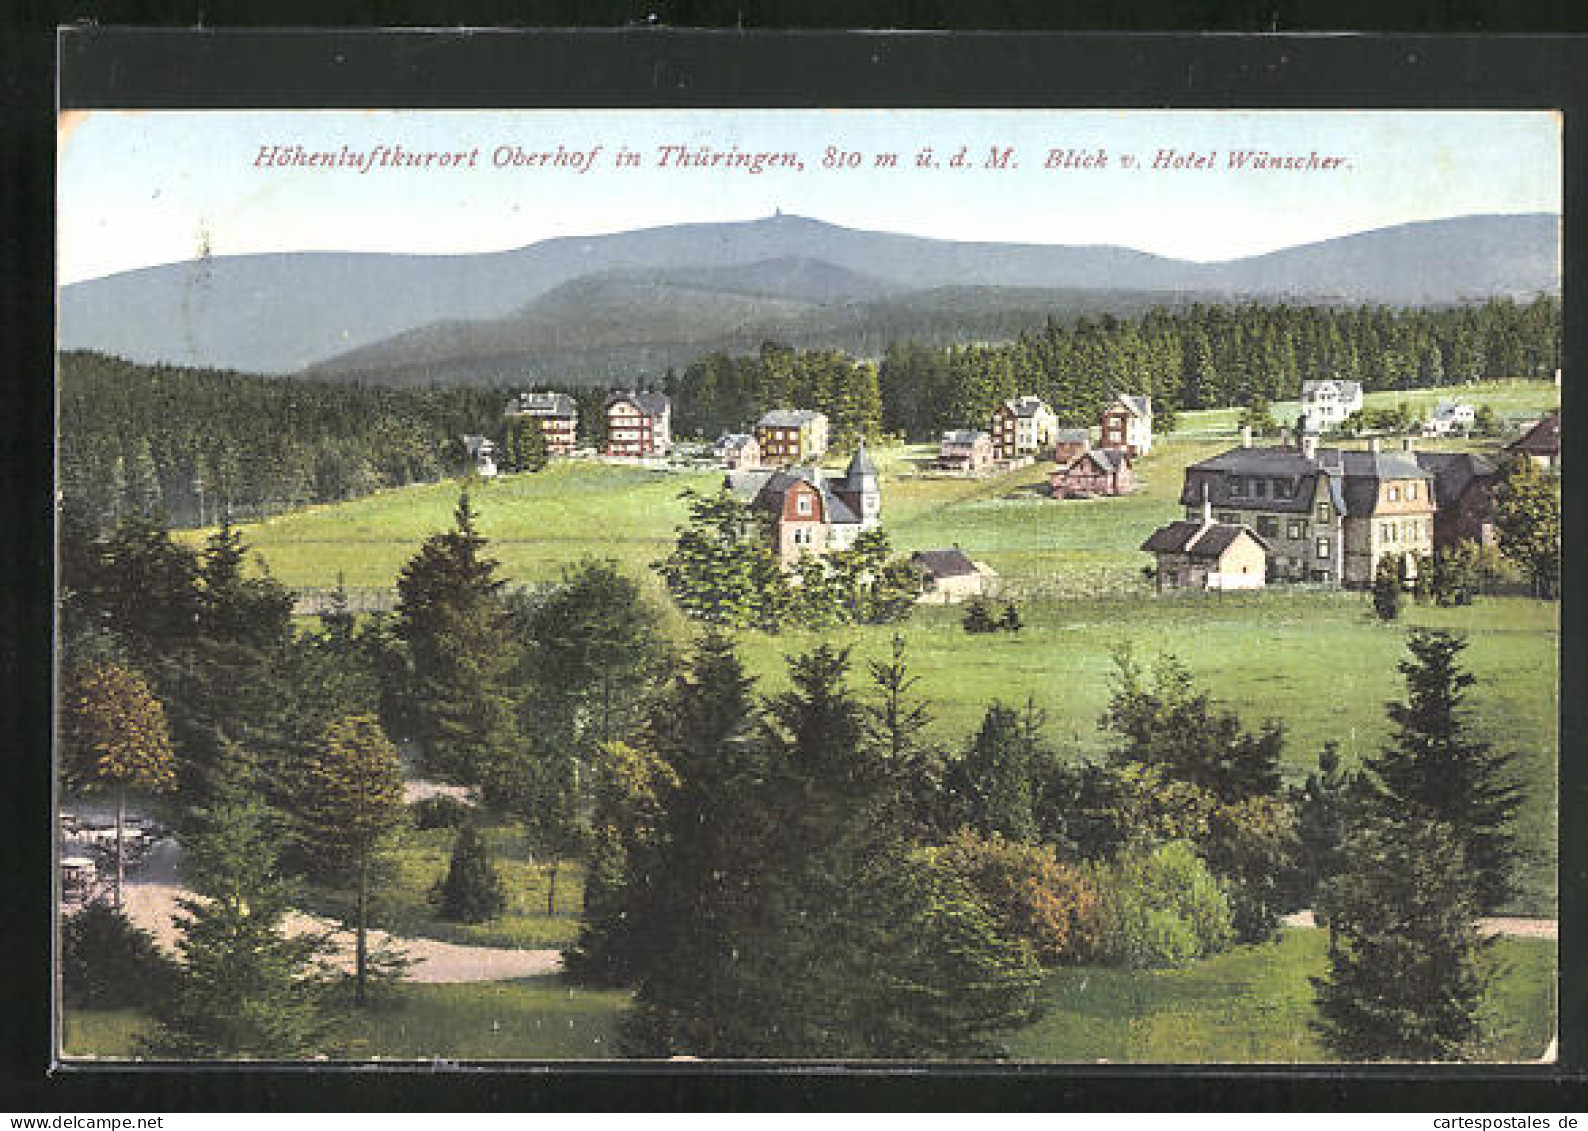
[1284, 437]
[1207, 506]
[1309, 446]
[1246, 435]
[1373, 444]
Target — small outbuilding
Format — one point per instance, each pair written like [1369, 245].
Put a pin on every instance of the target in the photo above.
[1208, 555]
[950, 576]
[481, 451]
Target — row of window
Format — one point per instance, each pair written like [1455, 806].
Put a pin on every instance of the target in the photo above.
[1258, 487]
[1409, 530]
[1397, 491]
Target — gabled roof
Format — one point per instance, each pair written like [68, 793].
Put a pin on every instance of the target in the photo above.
[964, 436]
[651, 404]
[765, 490]
[1454, 472]
[542, 404]
[1072, 436]
[1349, 389]
[732, 440]
[1199, 539]
[1542, 439]
[944, 563]
[1025, 406]
[789, 418]
[1137, 406]
[1107, 460]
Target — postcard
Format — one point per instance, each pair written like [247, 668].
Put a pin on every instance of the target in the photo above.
[1045, 586]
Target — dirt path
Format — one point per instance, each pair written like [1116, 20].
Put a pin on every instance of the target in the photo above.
[150, 897]
[1497, 925]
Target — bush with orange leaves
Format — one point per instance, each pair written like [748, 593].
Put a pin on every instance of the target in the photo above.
[1051, 907]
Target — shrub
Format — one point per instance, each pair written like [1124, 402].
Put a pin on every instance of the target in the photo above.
[978, 617]
[1389, 583]
[108, 963]
[440, 811]
[1161, 907]
[472, 890]
[1051, 907]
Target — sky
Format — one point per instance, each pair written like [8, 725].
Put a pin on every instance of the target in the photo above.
[140, 188]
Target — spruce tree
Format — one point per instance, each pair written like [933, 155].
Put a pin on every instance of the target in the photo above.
[461, 656]
[1409, 968]
[1389, 586]
[472, 890]
[1435, 766]
[246, 989]
[992, 784]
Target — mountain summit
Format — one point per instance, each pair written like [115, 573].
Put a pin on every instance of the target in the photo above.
[284, 312]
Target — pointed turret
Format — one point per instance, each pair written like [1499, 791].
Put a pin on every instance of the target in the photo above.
[860, 487]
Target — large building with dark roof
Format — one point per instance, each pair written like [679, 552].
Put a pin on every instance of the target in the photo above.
[558, 416]
[1327, 514]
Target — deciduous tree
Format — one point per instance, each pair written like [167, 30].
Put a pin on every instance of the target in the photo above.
[350, 804]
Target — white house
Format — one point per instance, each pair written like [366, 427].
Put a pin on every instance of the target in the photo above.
[1450, 416]
[1326, 404]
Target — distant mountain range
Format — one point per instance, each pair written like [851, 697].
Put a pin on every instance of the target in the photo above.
[597, 308]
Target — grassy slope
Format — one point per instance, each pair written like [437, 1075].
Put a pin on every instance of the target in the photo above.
[1316, 660]
[415, 865]
[1252, 1004]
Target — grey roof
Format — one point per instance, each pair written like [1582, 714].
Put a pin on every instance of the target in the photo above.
[1353, 477]
[1135, 405]
[1025, 406]
[964, 436]
[944, 563]
[1351, 389]
[860, 464]
[542, 404]
[474, 445]
[1109, 460]
[788, 418]
[1454, 472]
[1072, 436]
[766, 488]
[731, 440]
[651, 404]
[1199, 539]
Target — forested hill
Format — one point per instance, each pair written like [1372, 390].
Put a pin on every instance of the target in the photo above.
[1198, 356]
[194, 444]
[283, 312]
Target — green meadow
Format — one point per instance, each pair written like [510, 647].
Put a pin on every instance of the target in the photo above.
[1251, 1005]
[1316, 660]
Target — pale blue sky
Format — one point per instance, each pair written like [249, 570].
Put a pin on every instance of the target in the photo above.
[142, 188]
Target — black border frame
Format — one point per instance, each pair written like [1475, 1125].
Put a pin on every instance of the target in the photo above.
[649, 65]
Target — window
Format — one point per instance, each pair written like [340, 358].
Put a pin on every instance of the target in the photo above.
[1411, 491]
[1296, 530]
[1394, 494]
[1267, 526]
[1260, 488]
[1323, 512]
[1283, 489]
[1323, 549]
[1229, 518]
[1386, 532]
[802, 505]
[1237, 485]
